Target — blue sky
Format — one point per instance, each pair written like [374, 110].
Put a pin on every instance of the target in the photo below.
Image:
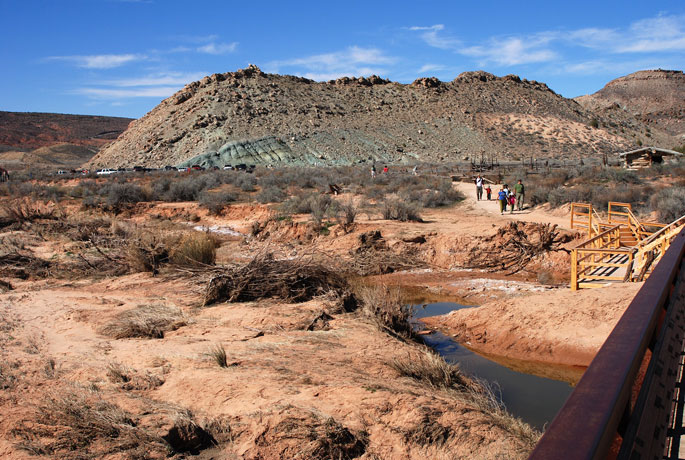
[122, 57]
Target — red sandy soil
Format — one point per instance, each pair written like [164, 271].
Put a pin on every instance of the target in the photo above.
[279, 373]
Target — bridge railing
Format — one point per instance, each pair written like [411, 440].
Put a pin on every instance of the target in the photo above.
[600, 417]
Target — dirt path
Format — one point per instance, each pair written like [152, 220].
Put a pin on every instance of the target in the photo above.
[491, 208]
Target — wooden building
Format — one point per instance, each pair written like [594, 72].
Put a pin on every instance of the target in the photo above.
[647, 156]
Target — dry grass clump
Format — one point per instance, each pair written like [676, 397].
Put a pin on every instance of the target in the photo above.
[387, 308]
[218, 354]
[430, 368]
[305, 434]
[131, 379]
[76, 423]
[145, 321]
[293, 280]
[194, 250]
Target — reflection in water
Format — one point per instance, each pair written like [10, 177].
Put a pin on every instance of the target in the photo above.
[534, 399]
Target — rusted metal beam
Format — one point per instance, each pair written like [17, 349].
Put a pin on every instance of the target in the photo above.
[587, 423]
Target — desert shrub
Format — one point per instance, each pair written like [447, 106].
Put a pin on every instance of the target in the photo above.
[271, 194]
[318, 205]
[118, 195]
[194, 249]
[215, 202]
[349, 212]
[293, 280]
[387, 308]
[669, 203]
[443, 195]
[394, 209]
[246, 182]
[190, 187]
[145, 321]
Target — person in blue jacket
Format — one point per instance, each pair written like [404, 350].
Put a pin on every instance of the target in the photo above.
[502, 198]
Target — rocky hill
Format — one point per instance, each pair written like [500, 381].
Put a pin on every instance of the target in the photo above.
[252, 117]
[656, 97]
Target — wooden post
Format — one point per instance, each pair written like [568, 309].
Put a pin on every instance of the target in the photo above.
[574, 270]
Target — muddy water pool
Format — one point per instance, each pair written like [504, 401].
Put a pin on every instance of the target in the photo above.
[532, 398]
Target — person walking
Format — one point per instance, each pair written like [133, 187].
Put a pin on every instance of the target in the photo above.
[520, 193]
[385, 169]
[479, 187]
[502, 199]
[373, 171]
[506, 195]
[512, 202]
[488, 191]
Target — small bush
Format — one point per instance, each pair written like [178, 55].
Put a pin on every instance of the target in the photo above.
[119, 195]
[669, 203]
[394, 209]
[215, 202]
[271, 195]
[145, 321]
[194, 249]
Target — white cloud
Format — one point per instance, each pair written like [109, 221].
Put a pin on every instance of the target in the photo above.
[353, 61]
[159, 79]
[432, 36]
[218, 48]
[111, 93]
[513, 50]
[662, 33]
[431, 68]
[100, 61]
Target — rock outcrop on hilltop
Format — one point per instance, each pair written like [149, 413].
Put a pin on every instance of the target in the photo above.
[252, 117]
[656, 97]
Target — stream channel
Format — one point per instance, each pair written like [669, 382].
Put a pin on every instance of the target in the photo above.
[536, 400]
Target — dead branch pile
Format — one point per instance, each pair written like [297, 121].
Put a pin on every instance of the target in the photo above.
[514, 246]
[374, 257]
[294, 280]
[23, 265]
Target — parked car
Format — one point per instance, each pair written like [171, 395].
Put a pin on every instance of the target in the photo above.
[197, 168]
[60, 172]
[228, 167]
[169, 168]
[105, 172]
[138, 169]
